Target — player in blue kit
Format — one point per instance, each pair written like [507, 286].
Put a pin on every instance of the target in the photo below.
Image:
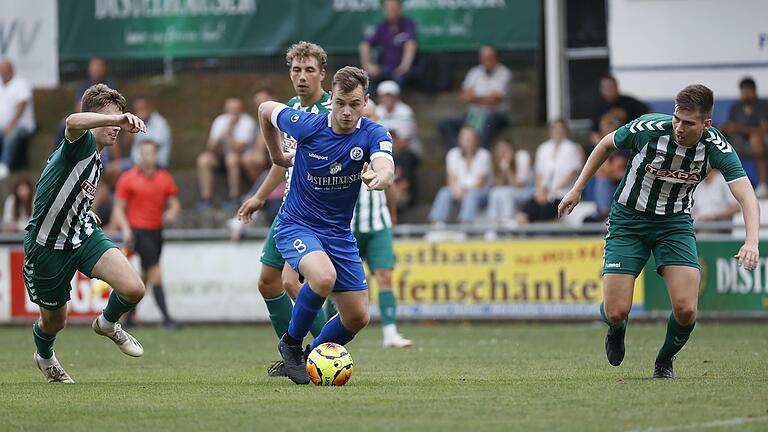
[314, 236]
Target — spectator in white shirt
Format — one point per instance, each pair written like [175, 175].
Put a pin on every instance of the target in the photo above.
[17, 114]
[486, 91]
[468, 170]
[713, 200]
[232, 133]
[558, 163]
[396, 115]
[512, 180]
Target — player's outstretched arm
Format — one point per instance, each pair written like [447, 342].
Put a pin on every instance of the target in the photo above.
[255, 203]
[78, 123]
[379, 175]
[597, 158]
[272, 135]
[749, 253]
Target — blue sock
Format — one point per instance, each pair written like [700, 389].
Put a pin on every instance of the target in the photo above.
[308, 303]
[333, 331]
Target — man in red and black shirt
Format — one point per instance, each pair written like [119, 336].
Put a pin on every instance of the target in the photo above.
[146, 200]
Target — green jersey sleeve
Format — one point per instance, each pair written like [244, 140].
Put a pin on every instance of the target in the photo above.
[80, 148]
[636, 133]
[722, 155]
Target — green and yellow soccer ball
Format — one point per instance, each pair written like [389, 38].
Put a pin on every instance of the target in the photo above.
[329, 364]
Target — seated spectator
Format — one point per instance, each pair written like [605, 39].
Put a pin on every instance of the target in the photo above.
[406, 185]
[609, 175]
[468, 170]
[623, 107]
[17, 115]
[747, 130]
[232, 134]
[713, 200]
[486, 91]
[396, 115]
[558, 163]
[18, 206]
[512, 181]
[395, 38]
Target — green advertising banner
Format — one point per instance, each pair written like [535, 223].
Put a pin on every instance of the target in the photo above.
[725, 287]
[189, 28]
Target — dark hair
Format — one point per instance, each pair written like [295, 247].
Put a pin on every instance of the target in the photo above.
[748, 82]
[348, 78]
[304, 49]
[99, 96]
[609, 77]
[695, 97]
[561, 121]
[17, 201]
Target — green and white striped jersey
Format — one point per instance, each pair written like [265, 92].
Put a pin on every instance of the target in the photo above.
[61, 218]
[371, 211]
[289, 143]
[661, 176]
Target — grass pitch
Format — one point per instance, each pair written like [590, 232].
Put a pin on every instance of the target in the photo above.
[468, 378]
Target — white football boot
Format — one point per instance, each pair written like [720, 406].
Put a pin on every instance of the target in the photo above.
[393, 339]
[127, 343]
[52, 370]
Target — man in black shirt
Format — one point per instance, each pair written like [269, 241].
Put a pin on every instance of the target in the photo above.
[621, 108]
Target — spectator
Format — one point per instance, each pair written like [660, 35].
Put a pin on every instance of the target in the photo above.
[625, 108]
[232, 133]
[747, 130]
[17, 115]
[18, 206]
[558, 163]
[395, 38]
[396, 115]
[406, 185]
[713, 200]
[146, 201]
[512, 181]
[486, 91]
[608, 176]
[468, 169]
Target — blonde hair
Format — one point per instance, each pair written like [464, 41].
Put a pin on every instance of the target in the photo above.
[304, 49]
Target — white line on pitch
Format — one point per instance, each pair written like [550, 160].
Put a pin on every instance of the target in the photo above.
[738, 421]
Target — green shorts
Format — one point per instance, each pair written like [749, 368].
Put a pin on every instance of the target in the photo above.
[48, 272]
[269, 254]
[633, 235]
[376, 249]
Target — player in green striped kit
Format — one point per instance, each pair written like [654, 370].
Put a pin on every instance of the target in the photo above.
[63, 235]
[278, 283]
[670, 156]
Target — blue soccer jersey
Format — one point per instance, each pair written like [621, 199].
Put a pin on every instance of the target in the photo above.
[326, 171]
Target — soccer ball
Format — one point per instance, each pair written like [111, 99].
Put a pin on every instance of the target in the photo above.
[329, 364]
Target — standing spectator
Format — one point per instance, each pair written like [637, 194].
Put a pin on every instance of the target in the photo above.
[468, 169]
[747, 130]
[406, 186]
[486, 91]
[395, 38]
[17, 115]
[713, 200]
[512, 181]
[232, 133]
[18, 206]
[396, 115]
[623, 107]
[558, 163]
[146, 201]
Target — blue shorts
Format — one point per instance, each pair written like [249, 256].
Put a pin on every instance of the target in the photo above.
[295, 241]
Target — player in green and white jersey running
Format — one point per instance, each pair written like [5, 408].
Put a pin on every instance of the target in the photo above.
[278, 282]
[670, 156]
[63, 235]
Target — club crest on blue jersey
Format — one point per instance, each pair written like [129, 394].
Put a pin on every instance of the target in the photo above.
[335, 168]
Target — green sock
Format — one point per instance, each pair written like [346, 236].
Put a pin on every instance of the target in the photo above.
[43, 342]
[330, 308]
[116, 307]
[619, 325]
[677, 336]
[318, 323]
[387, 306]
[280, 309]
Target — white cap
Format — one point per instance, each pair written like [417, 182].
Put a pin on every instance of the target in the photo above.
[388, 87]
